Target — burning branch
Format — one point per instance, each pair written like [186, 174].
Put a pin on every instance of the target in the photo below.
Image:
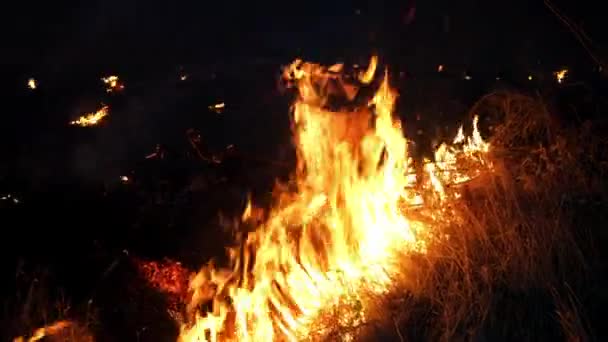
[578, 32]
[91, 119]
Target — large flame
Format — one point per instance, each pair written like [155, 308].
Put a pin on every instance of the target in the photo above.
[341, 234]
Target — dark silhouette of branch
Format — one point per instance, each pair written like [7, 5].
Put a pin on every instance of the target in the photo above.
[578, 32]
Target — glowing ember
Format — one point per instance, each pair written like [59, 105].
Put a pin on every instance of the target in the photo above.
[32, 83]
[168, 276]
[218, 107]
[112, 83]
[338, 239]
[91, 119]
[46, 331]
[561, 75]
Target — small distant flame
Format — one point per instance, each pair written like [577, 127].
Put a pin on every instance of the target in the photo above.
[32, 83]
[91, 119]
[530, 77]
[183, 77]
[561, 75]
[112, 83]
[440, 68]
[43, 332]
[124, 179]
[9, 197]
[218, 107]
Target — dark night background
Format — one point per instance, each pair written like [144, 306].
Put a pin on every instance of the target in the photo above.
[231, 51]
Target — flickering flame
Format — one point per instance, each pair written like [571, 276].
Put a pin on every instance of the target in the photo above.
[218, 107]
[450, 158]
[561, 75]
[440, 68]
[46, 331]
[32, 84]
[340, 236]
[112, 83]
[368, 75]
[91, 119]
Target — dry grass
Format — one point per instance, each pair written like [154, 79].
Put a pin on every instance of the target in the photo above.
[511, 258]
[36, 305]
[514, 257]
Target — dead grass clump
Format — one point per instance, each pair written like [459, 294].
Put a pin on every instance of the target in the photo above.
[501, 267]
[38, 310]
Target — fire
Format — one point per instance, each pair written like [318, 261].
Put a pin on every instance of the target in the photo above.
[91, 119]
[168, 276]
[112, 83]
[46, 331]
[561, 75]
[368, 75]
[32, 83]
[338, 239]
[218, 107]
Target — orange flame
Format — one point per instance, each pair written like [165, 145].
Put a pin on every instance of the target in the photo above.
[91, 119]
[340, 236]
[43, 332]
[560, 75]
[112, 83]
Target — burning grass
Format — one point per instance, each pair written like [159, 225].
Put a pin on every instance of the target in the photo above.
[91, 119]
[479, 243]
[38, 312]
[508, 266]
[353, 235]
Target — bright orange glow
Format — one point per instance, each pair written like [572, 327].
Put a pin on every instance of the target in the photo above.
[112, 83]
[46, 331]
[339, 238]
[91, 119]
[218, 107]
[168, 276]
[368, 75]
[561, 75]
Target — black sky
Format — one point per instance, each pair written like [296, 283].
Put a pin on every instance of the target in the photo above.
[110, 33]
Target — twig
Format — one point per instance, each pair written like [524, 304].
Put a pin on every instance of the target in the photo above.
[398, 331]
[583, 39]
